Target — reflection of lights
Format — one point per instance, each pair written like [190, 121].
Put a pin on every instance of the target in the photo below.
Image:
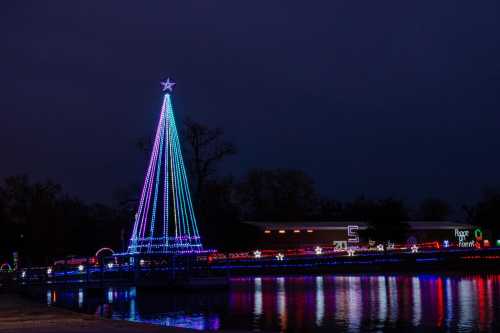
[49, 297]
[449, 303]
[446, 243]
[417, 305]
[81, 268]
[318, 250]
[281, 302]
[467, 300]
[110, 265]
[257, 254]
[320, 301]
[258, 304]
[110, 295]
[141, 262]
[49, 271]
[280, 256]
[350, 252]
[380, 247]
[382, 299]
[80, 298]
[414, 248]
[23, 274]
[354, 304]
[393, 299]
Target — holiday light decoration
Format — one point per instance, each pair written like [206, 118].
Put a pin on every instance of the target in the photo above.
[165, 221]
[257, 254]
[380, 247]
[280, 257]
[414, 248]
[5, 267]
[318, 250]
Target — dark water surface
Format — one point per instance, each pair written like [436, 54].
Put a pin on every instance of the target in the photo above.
[309, 304]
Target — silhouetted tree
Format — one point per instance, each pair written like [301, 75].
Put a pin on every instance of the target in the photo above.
[387, 221]
[277, 195]
[360, 209]
[486, 212]
[205, 148]
[433, 209]
[41, 223]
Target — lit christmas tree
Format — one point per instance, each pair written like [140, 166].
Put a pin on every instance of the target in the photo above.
[165, 221]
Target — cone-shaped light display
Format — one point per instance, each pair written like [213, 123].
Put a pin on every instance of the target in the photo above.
[165, 221]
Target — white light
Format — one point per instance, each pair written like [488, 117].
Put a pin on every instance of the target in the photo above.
[257, 254]
[380, 247]
[141, 262]
[49, 271]
[81, 268]
[414, 248]
[318, 250]
[350, 252]
[446, 243]
[280, 256]
[110, 265]
[23, 274]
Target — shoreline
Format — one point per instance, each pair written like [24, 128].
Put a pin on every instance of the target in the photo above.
[21, 315]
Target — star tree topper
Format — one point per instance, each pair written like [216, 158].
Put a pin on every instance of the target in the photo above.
[167, 85]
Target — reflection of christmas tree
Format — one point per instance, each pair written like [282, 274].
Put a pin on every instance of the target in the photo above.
[165, 221]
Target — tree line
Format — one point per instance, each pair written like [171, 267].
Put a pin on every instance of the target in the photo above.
[41, 222]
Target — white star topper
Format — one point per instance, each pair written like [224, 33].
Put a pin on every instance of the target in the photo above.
[167, 85]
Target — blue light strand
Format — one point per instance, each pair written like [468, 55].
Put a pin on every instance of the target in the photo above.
[155, 201]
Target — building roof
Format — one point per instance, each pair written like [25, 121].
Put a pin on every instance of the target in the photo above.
[342, 225]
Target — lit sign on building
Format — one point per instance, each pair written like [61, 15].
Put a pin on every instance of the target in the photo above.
[352, 234]
[462, 236]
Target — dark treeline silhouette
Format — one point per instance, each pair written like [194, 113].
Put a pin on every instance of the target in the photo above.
[40, 222]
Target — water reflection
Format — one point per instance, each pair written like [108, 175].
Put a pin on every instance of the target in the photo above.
[281, 302]
[320, 301]
[80, 298]
[417, 306]
[307, 304]
[257, 309]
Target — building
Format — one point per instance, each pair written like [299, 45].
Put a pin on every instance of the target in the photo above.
[283, 235]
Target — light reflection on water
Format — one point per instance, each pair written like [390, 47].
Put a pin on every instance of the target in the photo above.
[308, 303]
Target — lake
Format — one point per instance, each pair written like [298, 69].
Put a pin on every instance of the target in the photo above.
[355, 303]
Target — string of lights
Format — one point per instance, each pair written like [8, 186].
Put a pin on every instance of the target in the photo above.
[165, 221]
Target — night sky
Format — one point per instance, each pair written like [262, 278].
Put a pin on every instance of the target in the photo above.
[384, 98]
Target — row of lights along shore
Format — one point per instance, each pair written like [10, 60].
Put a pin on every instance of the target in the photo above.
[296, 231]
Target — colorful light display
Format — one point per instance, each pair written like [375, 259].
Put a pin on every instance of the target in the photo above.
[165, 221]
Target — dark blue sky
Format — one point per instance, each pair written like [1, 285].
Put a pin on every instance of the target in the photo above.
[378, 97]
